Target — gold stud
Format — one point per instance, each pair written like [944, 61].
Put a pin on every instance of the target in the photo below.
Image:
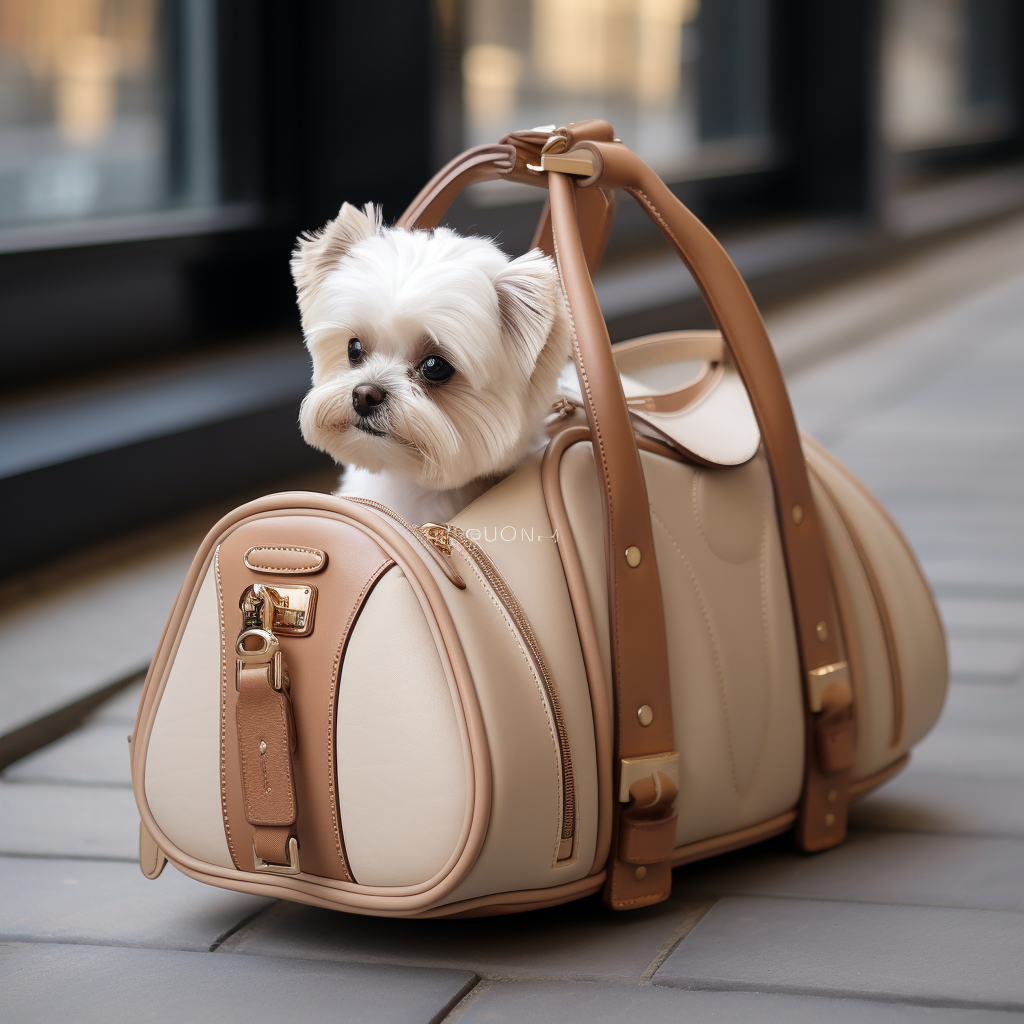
[645, 715]
[822, 630]
[832, 794]
[640, 874]
[830, 820]
[798, 514]
[633, 556]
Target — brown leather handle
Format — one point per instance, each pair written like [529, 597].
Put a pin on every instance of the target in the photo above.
[510, 159]
[823, 818]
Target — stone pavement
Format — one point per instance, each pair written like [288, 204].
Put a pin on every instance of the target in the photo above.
[918, 917]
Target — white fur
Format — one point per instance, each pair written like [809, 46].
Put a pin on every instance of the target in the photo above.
[407, 295]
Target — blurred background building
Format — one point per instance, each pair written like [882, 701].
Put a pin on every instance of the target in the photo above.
[158, 157]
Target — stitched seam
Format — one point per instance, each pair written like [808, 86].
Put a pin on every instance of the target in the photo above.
[560, 811]
[223, 711]
[291, 568]
[714, 648]
[331, 703]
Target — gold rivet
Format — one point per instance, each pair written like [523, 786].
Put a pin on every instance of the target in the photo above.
[645, 714]
[830, 820]
[633, 556]
[640, 874]
[798, 514]
[822, 630]
[832, 794]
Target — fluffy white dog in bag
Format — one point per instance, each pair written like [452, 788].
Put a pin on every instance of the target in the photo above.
[435, 359]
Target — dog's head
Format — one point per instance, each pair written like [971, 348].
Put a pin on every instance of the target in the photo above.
[433, 354]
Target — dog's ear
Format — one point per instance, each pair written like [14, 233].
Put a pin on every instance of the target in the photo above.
[527, 290]
[317, 252]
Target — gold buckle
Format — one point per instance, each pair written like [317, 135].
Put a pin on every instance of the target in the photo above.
[820, 680]
[636, 768]
[291, 868]
[269, 653]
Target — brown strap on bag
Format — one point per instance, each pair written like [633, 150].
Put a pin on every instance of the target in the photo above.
[828, 693]
[574, 228]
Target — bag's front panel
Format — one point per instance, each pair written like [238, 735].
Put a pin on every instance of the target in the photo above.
[403, 785]
[736, 694]
[183, 764]
[525, 846]
[897, 650]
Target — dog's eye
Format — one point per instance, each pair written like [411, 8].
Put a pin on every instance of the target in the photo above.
[436, 369]
[355, 350]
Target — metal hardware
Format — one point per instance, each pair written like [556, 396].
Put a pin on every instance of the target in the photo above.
[636, 768]
[645, 715]
[268, 653]
[286, 608]
[819, 680]
[640, 874]
[291, 868]
[437, 534]
[798, 514]
[822, 630]
[151, 858]
[633, 556]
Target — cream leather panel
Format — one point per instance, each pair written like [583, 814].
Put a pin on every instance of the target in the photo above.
[922, 670]
[183, 759]
[522, 837]
[736, 692]
[401, 770]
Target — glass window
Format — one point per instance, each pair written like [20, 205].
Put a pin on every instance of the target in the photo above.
[684, 82]
[947, 77]
[106, 108]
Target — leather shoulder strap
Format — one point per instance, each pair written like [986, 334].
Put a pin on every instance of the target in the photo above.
[828, 694]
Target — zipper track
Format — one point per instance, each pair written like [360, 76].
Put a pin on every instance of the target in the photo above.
[515, 610]
[435, 553]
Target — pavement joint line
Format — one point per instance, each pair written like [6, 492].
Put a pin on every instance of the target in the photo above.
[460, 1005]
[56, 724]
[938, 1003]
[237, 927]
[22, 855]
[77, 783]
[689, 922]
[754, 893]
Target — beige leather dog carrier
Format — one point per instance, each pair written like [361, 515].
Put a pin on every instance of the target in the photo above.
[681, 630]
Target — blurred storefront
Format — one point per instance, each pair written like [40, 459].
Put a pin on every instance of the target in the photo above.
[157, 158]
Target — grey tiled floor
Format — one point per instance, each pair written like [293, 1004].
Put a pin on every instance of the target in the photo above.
[918, 917]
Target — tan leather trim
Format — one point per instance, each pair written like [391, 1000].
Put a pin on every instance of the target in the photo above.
[398, 901]
[284, 559]
[862, 787]
[733, 840]
[600, 688]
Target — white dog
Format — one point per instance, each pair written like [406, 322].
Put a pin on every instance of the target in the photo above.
[435, 359]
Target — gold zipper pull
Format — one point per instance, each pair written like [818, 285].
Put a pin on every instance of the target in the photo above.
[439, 535]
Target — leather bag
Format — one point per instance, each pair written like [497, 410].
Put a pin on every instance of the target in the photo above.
[681, 630]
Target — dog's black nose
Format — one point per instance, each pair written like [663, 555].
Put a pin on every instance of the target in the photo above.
[367, 397]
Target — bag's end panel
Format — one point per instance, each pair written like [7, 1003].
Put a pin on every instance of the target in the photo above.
[182, 774]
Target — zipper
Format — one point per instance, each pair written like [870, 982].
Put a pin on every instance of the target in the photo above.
[442, 537]
[435, 552]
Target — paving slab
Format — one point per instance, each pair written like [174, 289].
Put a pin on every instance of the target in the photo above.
[985, 659]
[980, 617]
[67, 639]
[967, 755]
[613, 1004]
[68, 821]
[582, 941]
[969, 872]
[95, 755]
[983, 710]
[928, 955]
[944, 802]
[111, 903]
[97, 985]
[120, 710]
